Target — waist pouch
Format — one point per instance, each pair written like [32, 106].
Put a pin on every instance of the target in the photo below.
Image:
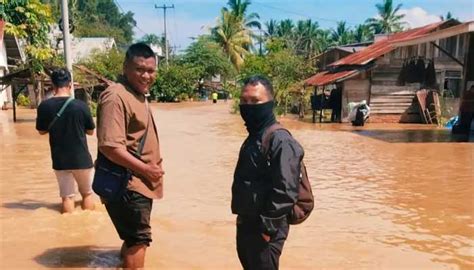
[110, 179]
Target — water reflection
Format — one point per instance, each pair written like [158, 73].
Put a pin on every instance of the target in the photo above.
[384, 200]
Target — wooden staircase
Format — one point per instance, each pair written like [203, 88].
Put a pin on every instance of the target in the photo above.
[390, 102]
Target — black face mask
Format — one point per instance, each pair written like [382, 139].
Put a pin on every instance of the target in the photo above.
[257, 116]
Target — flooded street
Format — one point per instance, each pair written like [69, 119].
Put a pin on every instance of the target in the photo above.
[387, 197]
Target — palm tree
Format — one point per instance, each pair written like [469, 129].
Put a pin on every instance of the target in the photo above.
[342, 35]
[387, 21]
[324, 40]
[307, 38]
[448, 16]
[234, 30]
[271, 26]
[362, 33]
[285, 28]
[238, 8]
[233, 37]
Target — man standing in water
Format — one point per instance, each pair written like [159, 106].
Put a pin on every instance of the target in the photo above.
[265, 188]
[67, 140]
[123, 119]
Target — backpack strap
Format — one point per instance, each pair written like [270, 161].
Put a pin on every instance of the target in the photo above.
[60, 112]
[267, 135]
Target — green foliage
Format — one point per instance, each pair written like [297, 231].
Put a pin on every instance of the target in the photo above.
[388, 19]
[276, 44]
[207, 58]
[93, 108]
[98, 18]
[284, 68]
[255, 64]
[151, 39]
[342, 34]
[23, 100]
[109, 63]
[233, 31]
[29, 19]
[175, 82]
[102, 18]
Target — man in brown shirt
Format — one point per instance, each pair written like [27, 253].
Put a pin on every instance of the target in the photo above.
[123, 117]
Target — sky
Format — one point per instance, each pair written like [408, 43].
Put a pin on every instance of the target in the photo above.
[191, 18]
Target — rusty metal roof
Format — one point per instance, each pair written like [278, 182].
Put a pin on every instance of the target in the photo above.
[384, 46]
[365, 56]
[326, 77]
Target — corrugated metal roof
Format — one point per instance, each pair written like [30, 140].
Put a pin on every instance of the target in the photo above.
[326, 77]
[368, 54]
[384, 46]
[350, 49]
[445, 33]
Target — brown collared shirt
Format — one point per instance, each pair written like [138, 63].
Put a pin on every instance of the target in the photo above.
[122, 119]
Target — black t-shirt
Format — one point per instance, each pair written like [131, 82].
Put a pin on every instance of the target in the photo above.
[67, 137]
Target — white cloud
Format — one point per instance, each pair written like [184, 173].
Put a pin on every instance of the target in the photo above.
[416, 17]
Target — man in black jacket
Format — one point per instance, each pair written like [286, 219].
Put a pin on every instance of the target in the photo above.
[265, 187]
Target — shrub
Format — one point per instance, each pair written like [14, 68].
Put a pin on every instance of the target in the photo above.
[23, 100]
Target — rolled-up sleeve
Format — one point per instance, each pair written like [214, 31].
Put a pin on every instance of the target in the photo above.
[111, 121]
[285, 161]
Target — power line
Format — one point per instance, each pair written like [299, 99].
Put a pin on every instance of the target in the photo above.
[123, 11]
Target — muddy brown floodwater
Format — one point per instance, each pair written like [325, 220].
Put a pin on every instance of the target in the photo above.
[387, 197]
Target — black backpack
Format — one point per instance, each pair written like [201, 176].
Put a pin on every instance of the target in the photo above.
[305, 202]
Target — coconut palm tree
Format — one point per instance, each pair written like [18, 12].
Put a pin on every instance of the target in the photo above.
[307, 35]
[342, 34]
[271, 28]
[233, 37]
[234, 30]
[239, 9]
[362, 33]
[387, 21]
[285, 28]
[448, 16]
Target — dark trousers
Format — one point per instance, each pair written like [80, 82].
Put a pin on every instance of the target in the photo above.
[254, 252]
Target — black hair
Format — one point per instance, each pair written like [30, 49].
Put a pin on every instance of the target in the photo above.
[139, 50]
[256, 79]
[61, 77]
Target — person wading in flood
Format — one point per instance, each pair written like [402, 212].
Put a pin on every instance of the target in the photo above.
[265, 189]
[123, 120]
[67, 121]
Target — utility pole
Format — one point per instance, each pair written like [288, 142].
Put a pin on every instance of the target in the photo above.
[165, 7]
[67, 40]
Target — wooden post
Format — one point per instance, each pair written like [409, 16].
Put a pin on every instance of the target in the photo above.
[14, 101]
[322, 106]
[314, 109]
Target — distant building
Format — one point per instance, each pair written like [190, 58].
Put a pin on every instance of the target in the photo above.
[373, 73]
[332, 54]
